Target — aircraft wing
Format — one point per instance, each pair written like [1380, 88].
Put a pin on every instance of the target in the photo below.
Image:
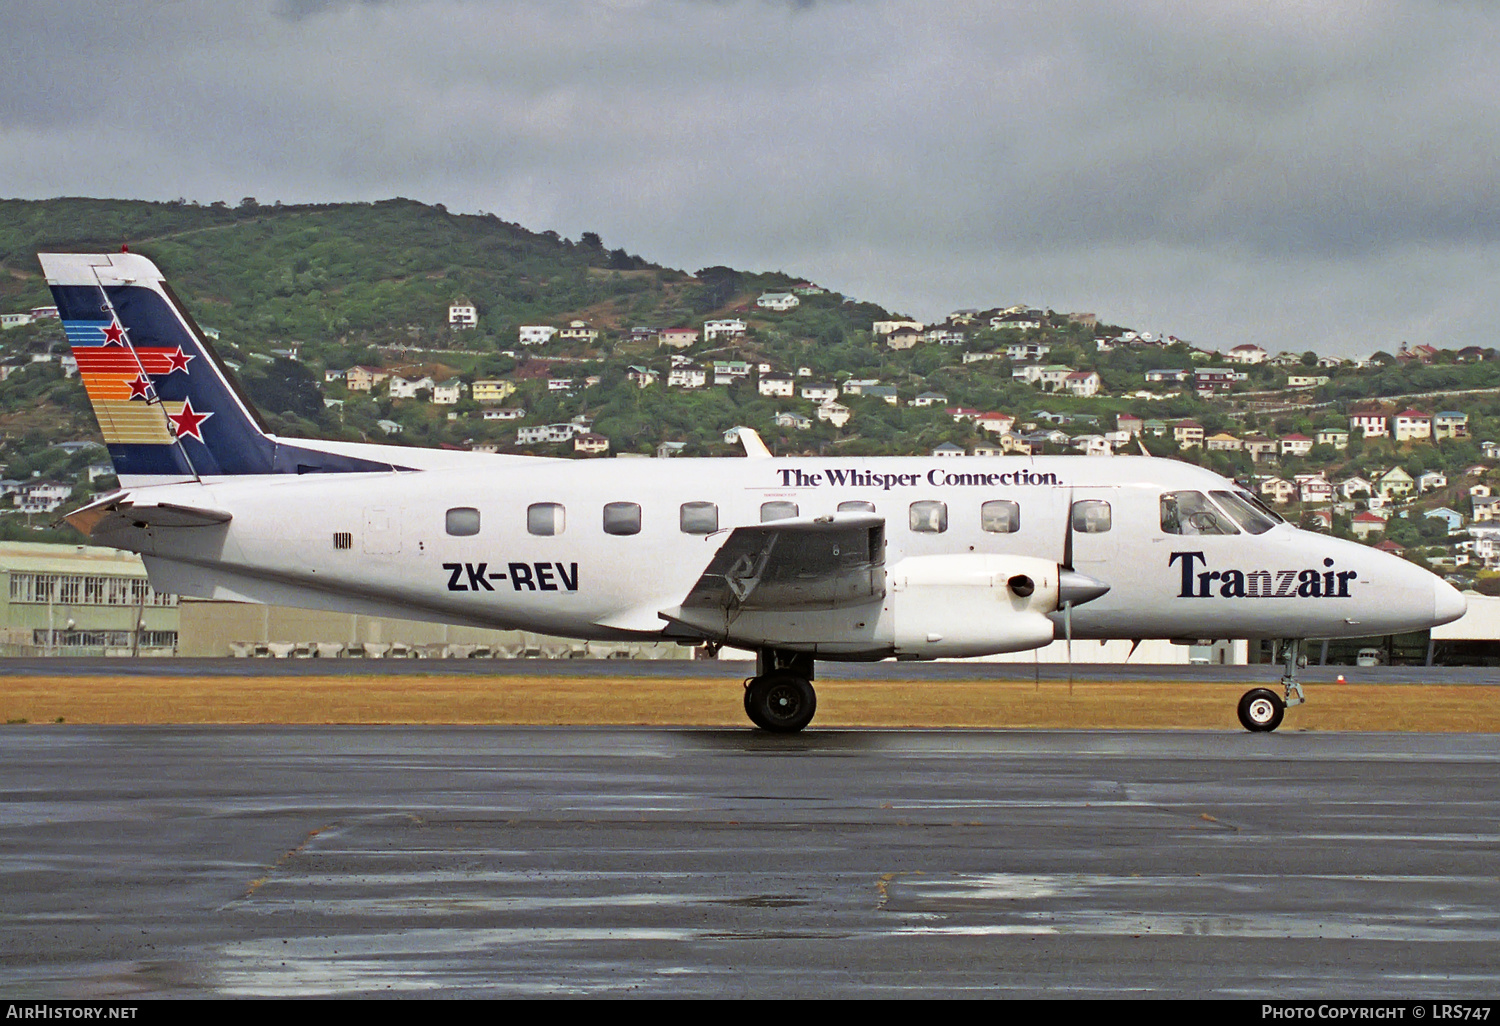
[820, 562]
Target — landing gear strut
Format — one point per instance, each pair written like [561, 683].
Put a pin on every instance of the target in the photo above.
[780, 697]
[1261, 709]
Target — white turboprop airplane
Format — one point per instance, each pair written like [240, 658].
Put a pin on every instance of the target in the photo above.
[794, 559]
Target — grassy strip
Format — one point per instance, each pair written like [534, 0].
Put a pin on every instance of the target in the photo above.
[696, 702]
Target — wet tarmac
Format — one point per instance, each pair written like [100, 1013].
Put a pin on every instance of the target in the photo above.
[485, 861]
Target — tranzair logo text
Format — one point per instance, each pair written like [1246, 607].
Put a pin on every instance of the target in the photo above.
[528, 576]
[1260, 583]
[793, 478]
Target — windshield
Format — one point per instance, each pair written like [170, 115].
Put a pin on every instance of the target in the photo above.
[1192, 513]
[1248, 511]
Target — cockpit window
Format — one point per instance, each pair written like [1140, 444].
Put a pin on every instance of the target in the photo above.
[1192, 513]
[1248, 511]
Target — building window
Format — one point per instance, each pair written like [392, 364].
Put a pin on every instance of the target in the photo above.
[699, 518]
[1000, 516]
[929, 516]
[1091, 516]
[856, 506]
[545, 518]
[622, 518]
[463, 521]
[777, 511]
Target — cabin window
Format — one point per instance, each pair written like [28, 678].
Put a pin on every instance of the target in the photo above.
[856, 506]
[545, 518]
[777, 511]
[1248, 511]
[622, 518]
[1000, 516]
[699, 518]
[1091, 516]
[463, 521]
[1192, 513]
[929, 516]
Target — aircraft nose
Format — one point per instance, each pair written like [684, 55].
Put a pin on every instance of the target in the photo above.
[1448, 603]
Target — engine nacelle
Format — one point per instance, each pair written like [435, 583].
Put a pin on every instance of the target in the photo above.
[971, 604]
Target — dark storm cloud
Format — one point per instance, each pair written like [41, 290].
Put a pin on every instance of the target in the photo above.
[1219, 170]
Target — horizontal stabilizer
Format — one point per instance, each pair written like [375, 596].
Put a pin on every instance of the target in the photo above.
[115, 511]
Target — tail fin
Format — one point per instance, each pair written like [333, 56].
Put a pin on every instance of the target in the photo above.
[166, 406]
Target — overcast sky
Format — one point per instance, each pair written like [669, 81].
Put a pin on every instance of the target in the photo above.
[1300, 175]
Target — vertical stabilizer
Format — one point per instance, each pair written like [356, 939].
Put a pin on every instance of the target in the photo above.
[168, 409]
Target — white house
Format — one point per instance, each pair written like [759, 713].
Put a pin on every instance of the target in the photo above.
[535, 334]
[834, 413]
[776, 384]
[777, 301]
[677, 338]
[1082, 383]
[819, 393]
[407, 388]
[687, 376]
[42, 496]
[446, 393]
[577, 331]
[1246, 354]
[731, 327]
[463, 314]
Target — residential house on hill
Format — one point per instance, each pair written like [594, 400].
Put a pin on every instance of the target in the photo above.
[1246, 354]
[462, 314]
[1412, 425]
[535, 334]
[677, 338]
[729, 327]
[834, 413]
[493, 390]
[1370, 422]
[577, 331]
[1082, 383]
[1188, 434]
[1366, 524]
[1394, 483]
[777, 301]
[1260, 447]
[903, 338]
[1296, 445]
[776, 384]
[1450, 424]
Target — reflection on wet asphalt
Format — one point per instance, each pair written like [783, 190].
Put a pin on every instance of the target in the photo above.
[511, 861]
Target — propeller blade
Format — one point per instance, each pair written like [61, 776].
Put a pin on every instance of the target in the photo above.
[1067, 560]
[1068, 633]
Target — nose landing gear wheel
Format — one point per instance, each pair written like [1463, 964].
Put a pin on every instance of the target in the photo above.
[1261, 710]
[781, 703]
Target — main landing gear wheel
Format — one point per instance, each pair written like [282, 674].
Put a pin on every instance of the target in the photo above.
[1261, 710]
[781, 703]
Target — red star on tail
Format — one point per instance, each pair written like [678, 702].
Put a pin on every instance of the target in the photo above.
[178, 361]
[188, 422]
[140, 388]
[114, 335]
